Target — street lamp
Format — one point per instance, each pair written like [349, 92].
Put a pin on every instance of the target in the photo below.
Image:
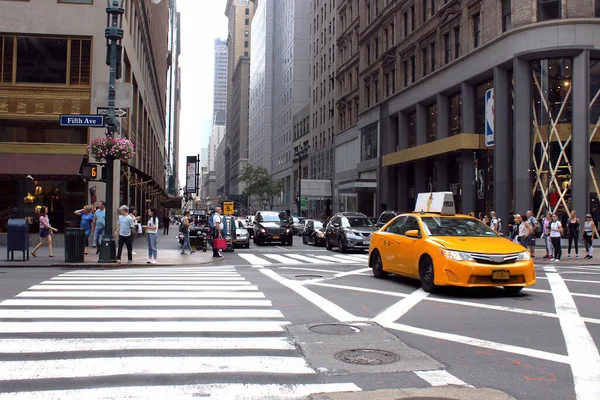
[300, 152]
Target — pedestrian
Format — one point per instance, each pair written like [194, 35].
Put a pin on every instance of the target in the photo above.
[589, 233]
[45, 232]
[184, 228]
[99, 224]
[532, 221]
[524, 230]
[217, 231]
[166, 223]
[152, 235]
[546, 232]
[573, 233]
[137, 229]
[556, 230]
[494, 222]
[87, 216]
[472, 214]
[124, 231]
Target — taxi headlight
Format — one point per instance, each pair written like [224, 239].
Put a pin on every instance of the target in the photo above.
[524, 256]
[456, 255]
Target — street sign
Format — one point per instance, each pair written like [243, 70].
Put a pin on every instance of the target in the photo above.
[82, 120]
[228, 207]
[119, 112]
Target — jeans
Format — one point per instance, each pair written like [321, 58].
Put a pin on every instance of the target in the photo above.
[127, 240]
[152, 238]
[186, 242]
[98, 235]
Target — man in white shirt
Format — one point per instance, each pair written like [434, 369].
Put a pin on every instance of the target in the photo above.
[217, 231]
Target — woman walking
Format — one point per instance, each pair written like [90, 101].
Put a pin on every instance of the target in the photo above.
[573, 232]
[589, 233]
[124, 231]
[556, 230]
[87, 216]
[546, 231]
[45, 233]
[524, 230]
[185, 229]
[152, 235]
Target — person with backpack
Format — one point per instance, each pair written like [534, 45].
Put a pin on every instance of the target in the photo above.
[152, 236]
[184, 228]
[216, 224]
[534, 232]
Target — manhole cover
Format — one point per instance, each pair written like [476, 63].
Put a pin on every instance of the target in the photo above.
[308, 276]
[335, 329]
[367, 357]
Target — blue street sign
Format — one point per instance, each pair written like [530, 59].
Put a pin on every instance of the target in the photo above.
[82, 120]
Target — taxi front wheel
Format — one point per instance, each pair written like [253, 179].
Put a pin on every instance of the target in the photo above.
[426, 273]
[377, 266]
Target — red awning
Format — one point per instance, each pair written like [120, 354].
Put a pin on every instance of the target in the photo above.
[40, 164]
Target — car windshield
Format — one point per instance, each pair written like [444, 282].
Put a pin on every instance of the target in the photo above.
[386, 217]
[438, 226]
[356, 222]
[318, 224]
[296, 220]
[270, 217]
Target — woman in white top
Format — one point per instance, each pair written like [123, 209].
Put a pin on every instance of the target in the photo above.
[152, 235]
[589, 232]
[524, 229]
[556, 230]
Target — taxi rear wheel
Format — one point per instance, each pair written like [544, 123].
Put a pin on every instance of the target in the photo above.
[513, 289]
[426, 273]
[377, 266]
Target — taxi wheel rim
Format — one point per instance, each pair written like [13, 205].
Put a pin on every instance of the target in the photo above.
[428, 272]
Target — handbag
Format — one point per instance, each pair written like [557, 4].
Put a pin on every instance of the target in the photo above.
[219, 244]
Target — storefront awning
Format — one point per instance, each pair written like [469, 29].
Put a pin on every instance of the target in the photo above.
[172, 202]
[148, 182]
[40, 164]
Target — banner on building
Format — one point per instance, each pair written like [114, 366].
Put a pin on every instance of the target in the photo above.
[489, 118]
[190, 185]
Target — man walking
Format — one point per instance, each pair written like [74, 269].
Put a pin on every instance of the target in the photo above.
[530, 241]
[217, 231]
[98, 225]
[166, 223]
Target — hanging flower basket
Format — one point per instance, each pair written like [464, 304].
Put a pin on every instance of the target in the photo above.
[115, 148]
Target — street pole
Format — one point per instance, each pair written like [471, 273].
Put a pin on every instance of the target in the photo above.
[113, 34]
[300, 186]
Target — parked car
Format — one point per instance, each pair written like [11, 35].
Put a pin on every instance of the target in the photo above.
[270, 226]
[314, 233]
[384, 218]
[349, 231]
[242, 235]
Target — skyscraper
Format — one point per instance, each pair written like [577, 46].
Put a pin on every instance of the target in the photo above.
[220, 83]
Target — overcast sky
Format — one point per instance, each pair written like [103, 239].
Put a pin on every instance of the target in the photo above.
[202, 21]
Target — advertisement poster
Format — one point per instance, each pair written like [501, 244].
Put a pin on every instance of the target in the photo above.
[190, 186]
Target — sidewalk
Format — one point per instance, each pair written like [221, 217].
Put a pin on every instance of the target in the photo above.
[168, 255]
[540, 251]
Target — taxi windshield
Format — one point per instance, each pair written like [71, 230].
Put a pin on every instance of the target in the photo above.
[456, 226]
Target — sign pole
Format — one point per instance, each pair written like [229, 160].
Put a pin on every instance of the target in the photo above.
[113, 34]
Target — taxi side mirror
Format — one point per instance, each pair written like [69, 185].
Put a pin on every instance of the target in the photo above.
[413, 234]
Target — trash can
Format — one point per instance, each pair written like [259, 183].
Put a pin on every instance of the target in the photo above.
[74, 245]
[18, 238]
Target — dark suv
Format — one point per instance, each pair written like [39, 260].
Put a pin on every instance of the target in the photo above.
[271, 226]
[384, 218]
[349, 231]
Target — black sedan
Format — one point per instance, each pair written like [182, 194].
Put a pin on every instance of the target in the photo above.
[314, 233]
[271, 227]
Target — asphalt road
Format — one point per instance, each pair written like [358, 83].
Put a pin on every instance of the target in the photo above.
[244, 327]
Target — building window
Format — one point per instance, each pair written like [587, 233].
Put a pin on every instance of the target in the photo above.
[80, 62]
[413, 68]
[405, 20]
[368, 142]
[433, 8]
[393, 74]
[456, 42]
[376, 44]
[424, 8]
[6, 58]
[405, 72]
[386, 82]
[446, 48]
[424, 60]
[41, 60]
[376, 90]
[455, 114]
[245, 54]
[77, 1]
[597, 11]
[368, 13]
[506, 15]
[246, 21]
[413, 18]
[368, 55]
[246, 33]
[476, 30]
[245, 43]
[247, 11]
[432, 51]
[368, 94]
[411, 120]
[431, 122]
[548, 9]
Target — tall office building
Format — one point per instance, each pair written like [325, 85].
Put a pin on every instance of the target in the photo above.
[220, 83]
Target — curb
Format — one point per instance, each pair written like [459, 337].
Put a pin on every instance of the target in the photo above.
[445, 392]
[21, 264]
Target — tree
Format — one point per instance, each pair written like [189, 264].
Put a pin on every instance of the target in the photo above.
[259, 184]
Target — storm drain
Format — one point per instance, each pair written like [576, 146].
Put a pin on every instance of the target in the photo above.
[308, 276]
[367, 357]
[335, 329]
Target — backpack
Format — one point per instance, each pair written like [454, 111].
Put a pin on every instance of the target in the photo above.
[538, 230]
[211, 222]
[183, 228]
[498, 223]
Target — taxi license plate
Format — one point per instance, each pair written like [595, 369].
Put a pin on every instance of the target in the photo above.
[275, 237]
[502, 275]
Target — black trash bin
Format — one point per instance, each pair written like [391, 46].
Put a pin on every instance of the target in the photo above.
[74, 245]
[18, 238]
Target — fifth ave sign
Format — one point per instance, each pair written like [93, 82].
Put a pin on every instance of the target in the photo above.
[82, 120]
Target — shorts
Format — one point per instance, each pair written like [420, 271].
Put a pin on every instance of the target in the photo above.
[529, 241]
[44, 232]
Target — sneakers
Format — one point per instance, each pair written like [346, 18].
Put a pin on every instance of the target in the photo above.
[153, 261]
[577, 256]
[183, 253]
[149, 261]
[192, 252]
[134, 253]
[569, 256]
[556, 260]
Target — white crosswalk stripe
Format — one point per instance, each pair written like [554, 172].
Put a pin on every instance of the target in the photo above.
[110, 327]
[306, 258]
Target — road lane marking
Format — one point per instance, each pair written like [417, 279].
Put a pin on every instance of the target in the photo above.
[572, 280]
[337, 260]
[282, 248]
[132, 366]
[593, 296]
[30, 346]
[144, 282]
[339, 275]
[397, 310]
[307, 269]
[146, 278]
[135, 314]
[129, 303]
[144, 287]
[282, 259]
[327, 306]
[440, 377]
[141, 326]
[308, 259]
[351, 257]
[255, 260]
[124, 294]
[208, 391]
[161, 276]
[583, 353]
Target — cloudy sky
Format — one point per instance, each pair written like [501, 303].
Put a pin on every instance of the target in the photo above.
[202, 21]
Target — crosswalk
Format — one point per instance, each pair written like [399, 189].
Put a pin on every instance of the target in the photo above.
[307, 258]
[165, 333]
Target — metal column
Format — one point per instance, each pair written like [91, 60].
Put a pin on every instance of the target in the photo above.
[502, 144]
[580, 120]
[522, 142]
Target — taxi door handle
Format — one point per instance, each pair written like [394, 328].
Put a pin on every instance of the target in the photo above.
[399, 241]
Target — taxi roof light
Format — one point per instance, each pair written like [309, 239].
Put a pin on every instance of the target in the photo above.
[436, 202]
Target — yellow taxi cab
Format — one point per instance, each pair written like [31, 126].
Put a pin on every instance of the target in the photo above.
[441, 248]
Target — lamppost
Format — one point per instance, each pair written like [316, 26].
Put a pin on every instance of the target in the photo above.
[300, 152]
